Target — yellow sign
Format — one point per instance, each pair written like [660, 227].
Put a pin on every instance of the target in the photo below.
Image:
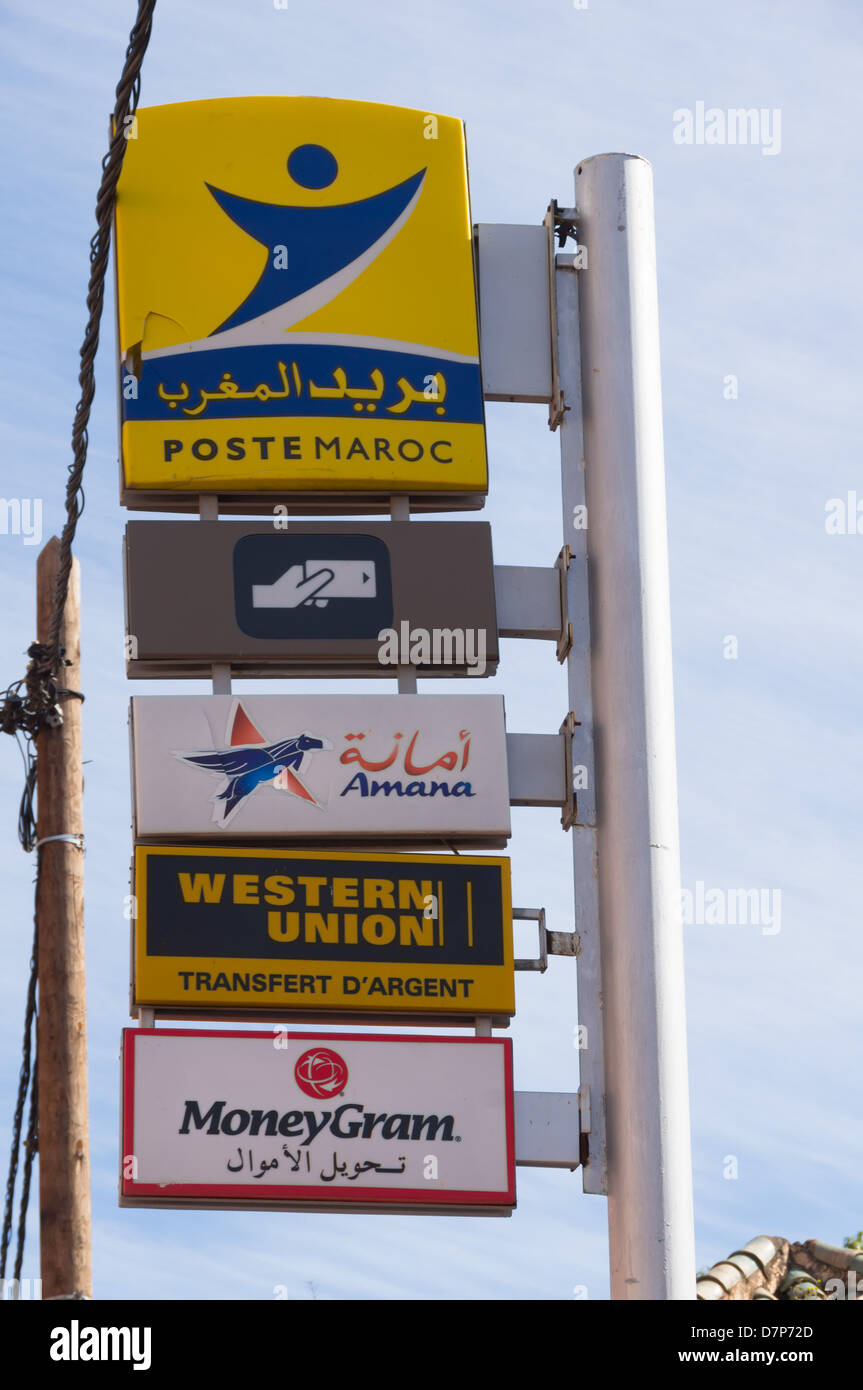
[319, 932]
[296, 301]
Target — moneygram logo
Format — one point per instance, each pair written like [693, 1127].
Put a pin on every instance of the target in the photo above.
[321, 1073]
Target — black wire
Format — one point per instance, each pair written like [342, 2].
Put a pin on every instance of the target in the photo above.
[127, 94]
[24, 1076]
[26, 810]
[31, 1144]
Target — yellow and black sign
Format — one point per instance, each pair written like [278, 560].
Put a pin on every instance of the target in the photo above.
[296, 301]
[317, 932]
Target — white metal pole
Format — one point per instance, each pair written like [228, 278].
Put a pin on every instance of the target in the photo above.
[649, 1165]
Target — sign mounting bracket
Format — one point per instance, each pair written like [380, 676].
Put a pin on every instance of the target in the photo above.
[551, 943]
[564, 641]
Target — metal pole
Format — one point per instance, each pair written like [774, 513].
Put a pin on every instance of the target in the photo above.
[64, 1140]
[649, 1166]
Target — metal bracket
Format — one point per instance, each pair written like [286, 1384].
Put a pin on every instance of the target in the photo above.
[551, 943]
[547, 1133]
[533, 914]
[557, 405]
[569, 815]
[532, 602]
[528, 601]
[535, 768]
[221, 671]
[565, 220]
[564, 641]
[563, 943]
[584, 1124]
[558, 222]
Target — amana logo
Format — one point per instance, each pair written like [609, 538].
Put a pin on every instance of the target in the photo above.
[321, 1073]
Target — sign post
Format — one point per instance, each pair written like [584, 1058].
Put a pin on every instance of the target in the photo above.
[644, 1027]
[289, 346]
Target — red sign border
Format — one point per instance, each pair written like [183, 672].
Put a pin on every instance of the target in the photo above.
[401, 1196]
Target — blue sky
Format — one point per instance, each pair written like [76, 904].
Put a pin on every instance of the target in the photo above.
[759, 279]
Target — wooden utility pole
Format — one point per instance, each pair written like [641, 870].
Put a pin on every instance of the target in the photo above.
[64, 1141]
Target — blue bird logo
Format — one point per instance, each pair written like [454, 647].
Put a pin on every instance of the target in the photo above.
[248, 765]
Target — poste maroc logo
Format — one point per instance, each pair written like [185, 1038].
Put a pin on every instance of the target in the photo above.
[296, 300]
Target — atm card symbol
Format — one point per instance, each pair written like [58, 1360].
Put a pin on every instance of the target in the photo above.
[316, 582]
[313, 586]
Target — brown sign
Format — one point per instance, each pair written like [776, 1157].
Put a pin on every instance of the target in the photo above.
[310, 598]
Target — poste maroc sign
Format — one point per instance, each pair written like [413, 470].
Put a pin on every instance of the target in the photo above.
[296, 301]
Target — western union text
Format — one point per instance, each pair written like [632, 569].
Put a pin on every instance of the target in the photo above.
[351, 906]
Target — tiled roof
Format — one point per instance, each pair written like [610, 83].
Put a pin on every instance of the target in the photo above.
[769, 1267]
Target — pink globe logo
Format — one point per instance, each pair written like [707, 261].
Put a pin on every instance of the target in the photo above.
[321, 1073]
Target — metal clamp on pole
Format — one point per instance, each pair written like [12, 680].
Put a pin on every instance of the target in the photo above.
[564, 641]
[584, 1123]
[74, 838]
[563, 943]
[565, 220]
[569, 814]
[557, 404]
[551, 943]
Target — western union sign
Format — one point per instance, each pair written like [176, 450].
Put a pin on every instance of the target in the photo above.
[316, 932]
[296, 301]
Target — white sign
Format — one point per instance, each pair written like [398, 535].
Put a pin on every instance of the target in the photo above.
[412, 767]
[323, 1120]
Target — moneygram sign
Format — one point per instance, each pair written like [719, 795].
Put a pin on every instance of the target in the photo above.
[345, 1122]
[296, 302]
[317, 933]
[349, 767]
